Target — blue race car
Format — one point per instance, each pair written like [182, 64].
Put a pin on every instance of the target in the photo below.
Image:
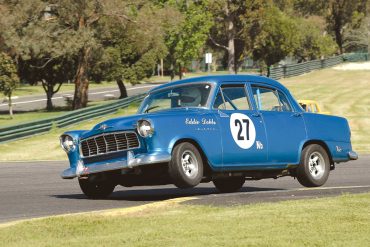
[225, 129]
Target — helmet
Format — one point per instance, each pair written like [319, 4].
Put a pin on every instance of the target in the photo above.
[190, 96]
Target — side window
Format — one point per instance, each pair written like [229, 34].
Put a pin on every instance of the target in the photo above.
[285, 106]
[232, 97]
[270, 100]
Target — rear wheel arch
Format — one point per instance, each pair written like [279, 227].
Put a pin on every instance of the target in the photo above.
[322, 144]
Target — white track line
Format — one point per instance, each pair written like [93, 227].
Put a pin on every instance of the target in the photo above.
[61, 97]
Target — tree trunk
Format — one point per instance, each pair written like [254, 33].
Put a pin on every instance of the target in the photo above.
[172, 71]
[81, 81]
[230, 42]
[122, 89]
[49, 95]
[10, 105]
[180, 71]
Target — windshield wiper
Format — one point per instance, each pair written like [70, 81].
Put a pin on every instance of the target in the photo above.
[151, 108]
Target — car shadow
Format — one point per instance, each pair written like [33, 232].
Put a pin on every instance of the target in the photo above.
[161, 194]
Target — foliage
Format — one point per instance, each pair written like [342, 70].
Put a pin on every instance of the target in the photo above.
[8, 78]
[339, 14]
[42, 49]
[277, 38]
[313, 43]
[359, 38]
[130, 52]
[187, 37]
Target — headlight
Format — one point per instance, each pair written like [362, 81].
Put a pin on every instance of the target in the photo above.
[67, 143]
[144, 128]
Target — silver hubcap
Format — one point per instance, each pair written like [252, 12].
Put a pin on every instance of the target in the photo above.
[316, 165]
[189, 164]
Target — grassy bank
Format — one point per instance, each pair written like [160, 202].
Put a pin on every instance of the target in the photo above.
[339, 221]
[343, 93]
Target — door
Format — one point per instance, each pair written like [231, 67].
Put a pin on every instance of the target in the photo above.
[285, 129]
[242, 129]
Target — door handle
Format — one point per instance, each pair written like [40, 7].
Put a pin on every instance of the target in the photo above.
[256, 114]
[297, 114]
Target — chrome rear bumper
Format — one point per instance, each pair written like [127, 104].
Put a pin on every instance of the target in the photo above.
[352, 155]
[130, 162]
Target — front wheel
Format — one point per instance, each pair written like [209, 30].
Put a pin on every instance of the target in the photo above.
[96, 190]
[186, 166]
[229, 184]
[314, 167]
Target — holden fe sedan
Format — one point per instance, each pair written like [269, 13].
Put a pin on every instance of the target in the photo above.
[224, 129]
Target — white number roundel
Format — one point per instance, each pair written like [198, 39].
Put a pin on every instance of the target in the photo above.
[242, 130]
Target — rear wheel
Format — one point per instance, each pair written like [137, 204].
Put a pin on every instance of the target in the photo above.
[314, 167]
[96, 190]
[229, 184]
[186, 166]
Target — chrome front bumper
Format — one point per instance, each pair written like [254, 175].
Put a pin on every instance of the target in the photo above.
[130, 162]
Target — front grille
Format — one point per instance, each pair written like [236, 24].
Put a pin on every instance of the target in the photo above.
[109, 143]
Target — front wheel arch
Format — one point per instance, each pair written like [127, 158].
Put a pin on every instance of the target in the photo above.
[207, 167]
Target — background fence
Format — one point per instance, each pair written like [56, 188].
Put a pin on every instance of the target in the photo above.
[37, 127]
[302, 68]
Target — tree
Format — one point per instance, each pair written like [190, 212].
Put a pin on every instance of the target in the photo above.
[277, 38]
[313, 42]
[42, 50]
[186, 38]
[130, 52]
[236, 25]
[51, 75]
[359, 37]
[338, 14]
[8, 78]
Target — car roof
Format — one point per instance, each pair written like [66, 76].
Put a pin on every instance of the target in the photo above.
[218, 79]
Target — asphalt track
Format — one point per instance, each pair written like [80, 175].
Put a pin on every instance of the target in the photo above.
[35, 102]
[35, 189]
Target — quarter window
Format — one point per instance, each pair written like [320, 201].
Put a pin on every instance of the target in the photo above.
[270, 100]
[232, 97]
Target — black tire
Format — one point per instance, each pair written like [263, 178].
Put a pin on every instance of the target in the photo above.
[311, 173]
[229, 184]
[180, 171]
[97, 190]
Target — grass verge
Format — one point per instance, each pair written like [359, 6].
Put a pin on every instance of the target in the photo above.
[30, 116]
[337, 221]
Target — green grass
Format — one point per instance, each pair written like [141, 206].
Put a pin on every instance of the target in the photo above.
[338, 221]
[24, 117]
[343, 93]
[19, 118]
[50, 150]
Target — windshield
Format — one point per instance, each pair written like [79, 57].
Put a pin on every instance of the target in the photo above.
[183, 96]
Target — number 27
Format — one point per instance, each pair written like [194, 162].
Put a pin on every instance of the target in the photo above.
[240, 124]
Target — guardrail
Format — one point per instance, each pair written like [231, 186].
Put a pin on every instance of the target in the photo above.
[36, 127]
[302, 68]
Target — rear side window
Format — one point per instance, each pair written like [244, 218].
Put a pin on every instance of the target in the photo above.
[270, 99]
[232, 97]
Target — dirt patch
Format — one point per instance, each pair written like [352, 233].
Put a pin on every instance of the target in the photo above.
[353, 66]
